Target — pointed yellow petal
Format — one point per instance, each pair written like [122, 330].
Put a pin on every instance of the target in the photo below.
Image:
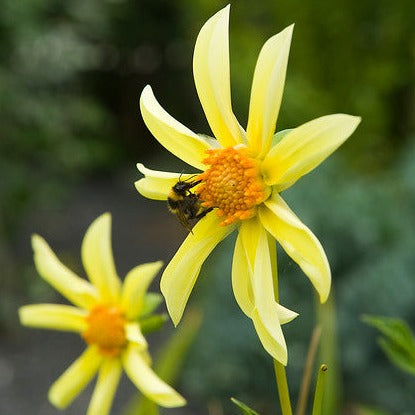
[175, 137]
[74, 288]
[284, 314]
[156, 184]
[134, 335]
[241, 279]
[135, 286]
[266, 316]
[147, 381]
[305, 147]
[181, 273]
[53, 316]
[273, 343]
[107, 383]
[98, 259]
[299, 243]
[72, 382]
[267, 90]
[212, 78]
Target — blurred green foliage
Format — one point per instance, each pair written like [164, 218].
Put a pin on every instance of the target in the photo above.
[70, 78]
[398, 341]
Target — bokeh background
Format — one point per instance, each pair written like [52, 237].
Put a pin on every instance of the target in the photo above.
[71, 73]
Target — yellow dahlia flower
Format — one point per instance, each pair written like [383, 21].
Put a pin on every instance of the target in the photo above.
[106, 315]
[243, 173]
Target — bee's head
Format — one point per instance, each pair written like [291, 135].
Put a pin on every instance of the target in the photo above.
[181, 187]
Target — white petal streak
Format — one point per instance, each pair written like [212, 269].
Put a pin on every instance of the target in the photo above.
[305, 147]
[299, 243]
[212, 78]
[267, 90]
[134, 335]
[174, 136]
[156, 184]
[181, 273]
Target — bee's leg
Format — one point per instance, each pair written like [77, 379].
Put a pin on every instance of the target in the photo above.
[194, 183]
[203, 213]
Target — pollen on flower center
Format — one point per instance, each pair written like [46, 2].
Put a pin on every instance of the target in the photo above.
[232, 184]
[106, 329]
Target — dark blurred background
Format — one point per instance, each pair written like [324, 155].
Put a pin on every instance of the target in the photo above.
[71, 75]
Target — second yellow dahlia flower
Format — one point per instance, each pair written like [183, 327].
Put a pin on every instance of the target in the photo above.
[106, 314]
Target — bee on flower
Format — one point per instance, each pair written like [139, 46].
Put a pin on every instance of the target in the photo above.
[241, 175]
[106, 313]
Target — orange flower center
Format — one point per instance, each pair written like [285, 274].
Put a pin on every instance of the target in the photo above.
[232, 184]
[106, 329]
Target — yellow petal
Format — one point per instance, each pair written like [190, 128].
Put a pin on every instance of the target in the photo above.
[181, 273]
[212, 78]
[107, 383]
[305, 147]
[74, 288]
[53, 316]
[284, 314]
[174, 136]
[157, 185]
[72, 382]
[266, 317]
[267, 90]
[135, 286]
[241, 279]
[98, 259]
[134, 335]
[147, 381]
[274, 342]
[299, 243]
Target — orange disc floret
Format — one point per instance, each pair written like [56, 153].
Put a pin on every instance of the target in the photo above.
[232, 184]
[106, 329]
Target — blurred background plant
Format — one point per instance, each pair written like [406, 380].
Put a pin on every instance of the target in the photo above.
[70, 133]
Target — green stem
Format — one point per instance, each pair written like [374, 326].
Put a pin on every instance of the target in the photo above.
[279, 369]
[282, 386]
[318, 396]
[328, 352]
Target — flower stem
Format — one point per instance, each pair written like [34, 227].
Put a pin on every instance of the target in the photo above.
[279, 368]
[282, 386]
[318, 396]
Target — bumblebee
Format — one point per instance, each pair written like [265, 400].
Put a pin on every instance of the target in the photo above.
[185, 204]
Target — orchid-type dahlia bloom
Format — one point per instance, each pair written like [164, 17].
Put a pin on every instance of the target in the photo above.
[243, 173]
[106, 314]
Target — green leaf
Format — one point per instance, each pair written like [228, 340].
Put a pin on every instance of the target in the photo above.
[244, 408]
[153, 323]
[151, 302]
[398, 342]
[280, 135]
[169, 362]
